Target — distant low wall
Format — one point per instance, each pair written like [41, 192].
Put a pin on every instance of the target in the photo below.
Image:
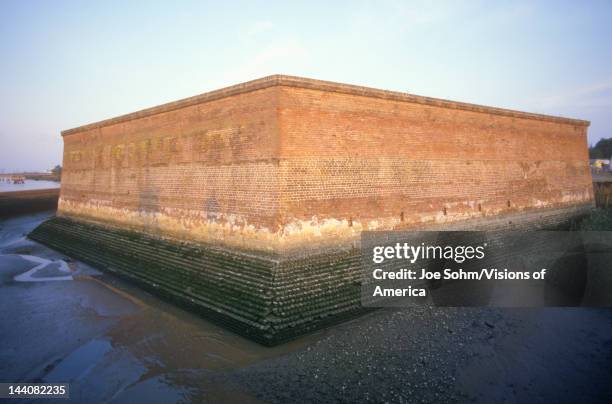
[23, 202]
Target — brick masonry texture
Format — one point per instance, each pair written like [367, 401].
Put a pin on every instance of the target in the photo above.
[379, 163]
[292, 170]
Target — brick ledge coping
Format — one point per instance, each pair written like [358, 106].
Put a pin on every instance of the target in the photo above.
[300, 82]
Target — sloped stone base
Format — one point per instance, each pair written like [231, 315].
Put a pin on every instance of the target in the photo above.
[268, 298]
[256, 296]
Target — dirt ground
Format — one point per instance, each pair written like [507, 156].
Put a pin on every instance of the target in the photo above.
[63, 321]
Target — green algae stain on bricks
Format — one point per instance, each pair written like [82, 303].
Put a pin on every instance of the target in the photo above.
[247, 203]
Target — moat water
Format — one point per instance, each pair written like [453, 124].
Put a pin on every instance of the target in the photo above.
[28, 185]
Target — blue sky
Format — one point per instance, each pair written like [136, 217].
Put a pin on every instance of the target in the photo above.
[65, 64]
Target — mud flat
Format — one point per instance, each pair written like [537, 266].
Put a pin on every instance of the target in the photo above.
[21, 202]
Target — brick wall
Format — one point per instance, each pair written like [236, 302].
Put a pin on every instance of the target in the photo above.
[359, 162]
[285, 162]
[203, 170]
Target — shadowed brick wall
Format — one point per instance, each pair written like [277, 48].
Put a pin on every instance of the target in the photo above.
[206, 171]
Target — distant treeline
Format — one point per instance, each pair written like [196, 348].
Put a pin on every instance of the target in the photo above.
[601, 150]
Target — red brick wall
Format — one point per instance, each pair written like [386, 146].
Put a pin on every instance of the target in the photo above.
[282, 162]
[212, 161]
[362, 159]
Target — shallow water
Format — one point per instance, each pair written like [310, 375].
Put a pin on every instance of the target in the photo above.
[28, 186]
